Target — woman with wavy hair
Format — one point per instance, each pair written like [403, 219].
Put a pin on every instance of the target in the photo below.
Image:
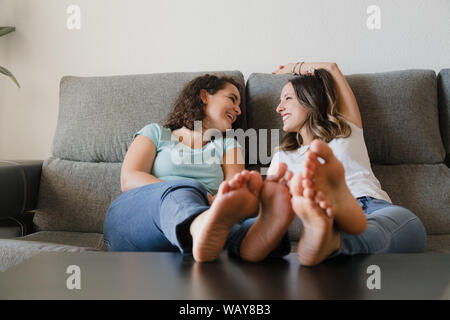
[334, 191]
[185, 191]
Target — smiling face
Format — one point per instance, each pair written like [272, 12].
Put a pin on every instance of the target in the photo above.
[290, 109]
[222, 108]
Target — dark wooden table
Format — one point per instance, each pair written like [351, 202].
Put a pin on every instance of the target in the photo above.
[150, 275]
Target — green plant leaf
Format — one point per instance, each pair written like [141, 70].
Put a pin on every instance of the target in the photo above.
[6, 30]
[9, 74]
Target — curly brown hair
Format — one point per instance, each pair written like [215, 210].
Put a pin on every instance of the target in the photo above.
[317, 94]
[189, 107]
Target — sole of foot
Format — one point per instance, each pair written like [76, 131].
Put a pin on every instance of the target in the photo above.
[325, 184]
[236, 200]
[319, 236]
[273, 220]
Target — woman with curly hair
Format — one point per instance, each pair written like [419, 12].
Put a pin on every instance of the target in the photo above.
[185, 191]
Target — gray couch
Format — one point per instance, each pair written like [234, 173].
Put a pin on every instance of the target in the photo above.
[406, 119]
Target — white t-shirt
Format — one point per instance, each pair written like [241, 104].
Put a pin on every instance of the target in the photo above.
[352, 152]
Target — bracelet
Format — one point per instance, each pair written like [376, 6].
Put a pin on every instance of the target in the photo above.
[300, 68]
[293, 69]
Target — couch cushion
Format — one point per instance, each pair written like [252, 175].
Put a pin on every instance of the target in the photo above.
[15, 251]
[77, 239]
[444, 108]
[75, 196]
[98, 117]
[399, 112]
[438, 243]
[423, 189]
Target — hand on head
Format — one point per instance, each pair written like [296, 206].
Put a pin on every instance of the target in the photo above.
[284, 69]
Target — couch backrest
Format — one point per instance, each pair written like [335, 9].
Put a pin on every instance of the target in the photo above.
[399, 110]
[97, 119]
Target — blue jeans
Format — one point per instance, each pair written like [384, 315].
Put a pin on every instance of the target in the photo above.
[157, 217]
[390, 229]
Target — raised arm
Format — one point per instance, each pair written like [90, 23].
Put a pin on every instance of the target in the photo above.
[346, 100]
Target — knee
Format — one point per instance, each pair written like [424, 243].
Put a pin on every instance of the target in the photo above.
[411, 233]
[110, 226]
[402, 229]
[400, 215]
[409, 219]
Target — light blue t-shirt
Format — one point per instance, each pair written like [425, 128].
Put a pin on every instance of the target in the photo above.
[174, 160]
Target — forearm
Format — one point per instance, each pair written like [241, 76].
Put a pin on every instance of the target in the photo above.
[344, 93]
[136, 179]
[303, 68]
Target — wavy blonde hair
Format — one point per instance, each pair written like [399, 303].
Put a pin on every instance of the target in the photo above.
[317, 94]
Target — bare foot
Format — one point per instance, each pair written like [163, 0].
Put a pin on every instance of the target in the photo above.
[273, 220]
[319, 237]
[325, 184]
[235, 201]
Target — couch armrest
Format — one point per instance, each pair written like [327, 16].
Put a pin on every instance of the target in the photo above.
[19, 186]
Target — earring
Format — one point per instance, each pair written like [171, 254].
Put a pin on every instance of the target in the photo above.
[299, 138]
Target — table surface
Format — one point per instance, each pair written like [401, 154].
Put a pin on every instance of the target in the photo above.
[167, 275]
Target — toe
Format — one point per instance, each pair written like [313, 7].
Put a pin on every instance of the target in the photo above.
[295, 185]
[323, 204]
[245, 174]
[330, 212]
[307, 183]
[310, 166]
[312, 159]
[279, 172]
[322, 150]
[319, 197]
[288, 176]
[255, 182]
[234, 183]
[236, 178]
[308, 193]
[309, 173]
[245, 178]
[223, 188]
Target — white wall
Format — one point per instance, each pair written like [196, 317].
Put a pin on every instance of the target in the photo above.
[137, 36]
